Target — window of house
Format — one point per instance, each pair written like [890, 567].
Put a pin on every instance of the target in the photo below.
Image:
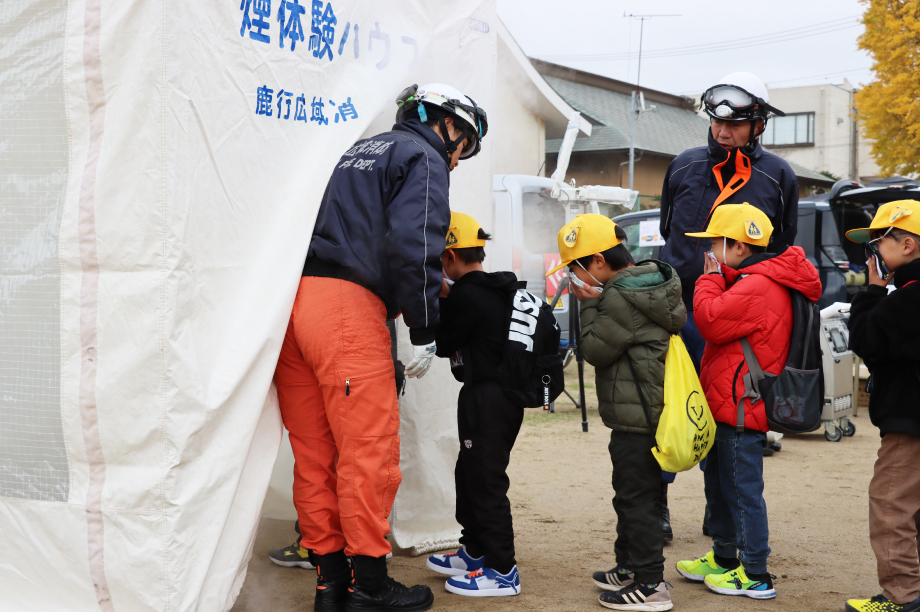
[796, 129]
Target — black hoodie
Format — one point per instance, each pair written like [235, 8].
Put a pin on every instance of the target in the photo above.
[885, 332]
[475, 315]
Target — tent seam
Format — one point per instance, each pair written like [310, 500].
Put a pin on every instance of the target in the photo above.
[89, 303]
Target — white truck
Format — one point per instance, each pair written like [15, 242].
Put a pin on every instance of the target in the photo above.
[528, 212]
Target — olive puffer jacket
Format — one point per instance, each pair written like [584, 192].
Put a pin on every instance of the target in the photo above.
[633, 319]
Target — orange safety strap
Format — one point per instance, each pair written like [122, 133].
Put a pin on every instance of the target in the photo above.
[742, 176]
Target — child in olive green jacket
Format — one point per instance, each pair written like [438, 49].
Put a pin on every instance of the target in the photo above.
[628, 313]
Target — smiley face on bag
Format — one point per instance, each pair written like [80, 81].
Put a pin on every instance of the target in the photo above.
[695, 411]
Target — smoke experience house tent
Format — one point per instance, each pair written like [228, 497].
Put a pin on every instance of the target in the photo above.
[161, 165]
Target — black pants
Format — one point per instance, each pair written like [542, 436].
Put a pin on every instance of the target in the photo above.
[637, 483]
[486, 438]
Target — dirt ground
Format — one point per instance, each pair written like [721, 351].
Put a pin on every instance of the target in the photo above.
[816, 494]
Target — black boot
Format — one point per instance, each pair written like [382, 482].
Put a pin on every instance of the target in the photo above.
[665, 514]
[333, 577]
[374, 591]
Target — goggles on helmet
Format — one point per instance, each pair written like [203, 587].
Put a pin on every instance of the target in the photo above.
[732, 103]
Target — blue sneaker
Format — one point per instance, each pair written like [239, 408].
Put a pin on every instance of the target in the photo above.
[456, 563]
[486, 582]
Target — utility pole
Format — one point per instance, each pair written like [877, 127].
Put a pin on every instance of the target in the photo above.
[854, 133]
[634, 108]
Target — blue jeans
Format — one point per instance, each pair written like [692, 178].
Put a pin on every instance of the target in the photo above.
[734, 492]
[693, 341]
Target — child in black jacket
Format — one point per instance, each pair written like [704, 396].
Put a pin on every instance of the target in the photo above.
[885, 332]
[472, 332]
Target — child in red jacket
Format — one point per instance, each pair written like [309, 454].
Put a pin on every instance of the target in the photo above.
[743, 292]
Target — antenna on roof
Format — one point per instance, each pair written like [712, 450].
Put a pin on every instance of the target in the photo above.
[635, 110]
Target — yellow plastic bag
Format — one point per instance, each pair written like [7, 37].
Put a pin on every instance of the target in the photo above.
[686, 430]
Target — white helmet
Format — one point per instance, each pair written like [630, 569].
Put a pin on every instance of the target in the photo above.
[740, 96]
[445, 100]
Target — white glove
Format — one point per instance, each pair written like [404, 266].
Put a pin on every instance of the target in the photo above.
[421, 360]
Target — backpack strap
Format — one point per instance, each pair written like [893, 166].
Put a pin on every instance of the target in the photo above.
[648, 419]
[811, 319]
[751, 381]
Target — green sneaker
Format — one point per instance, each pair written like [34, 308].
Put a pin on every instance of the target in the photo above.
[737, 582]
[698, 569]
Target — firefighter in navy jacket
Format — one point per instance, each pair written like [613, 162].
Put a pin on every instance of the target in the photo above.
[733, 167]
[375, 253]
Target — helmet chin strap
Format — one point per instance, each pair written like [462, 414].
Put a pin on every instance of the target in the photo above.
[752, 141]
[450, 145]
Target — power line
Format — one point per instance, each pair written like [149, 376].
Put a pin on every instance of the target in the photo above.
[824, 74]
[828, 27]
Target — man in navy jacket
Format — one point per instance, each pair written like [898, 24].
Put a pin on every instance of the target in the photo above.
[732, 169]
[375, 253]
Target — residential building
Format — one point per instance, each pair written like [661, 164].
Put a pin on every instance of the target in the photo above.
[820, 131]
[668, 125]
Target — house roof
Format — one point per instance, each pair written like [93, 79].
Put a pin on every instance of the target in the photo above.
[536, 94]
[662, 129]
[669, 126]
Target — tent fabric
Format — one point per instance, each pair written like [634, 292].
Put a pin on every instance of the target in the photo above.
[161, 165]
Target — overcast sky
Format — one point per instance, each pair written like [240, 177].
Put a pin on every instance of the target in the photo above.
[808, 41]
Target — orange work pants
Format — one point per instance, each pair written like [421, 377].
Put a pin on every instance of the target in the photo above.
[337, 391]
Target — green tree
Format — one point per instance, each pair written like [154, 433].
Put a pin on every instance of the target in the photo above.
[889, 107]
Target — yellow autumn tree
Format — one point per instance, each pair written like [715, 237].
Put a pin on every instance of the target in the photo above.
[889, 107]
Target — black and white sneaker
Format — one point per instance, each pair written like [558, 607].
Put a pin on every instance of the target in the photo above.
[614, 580]
[654, 597]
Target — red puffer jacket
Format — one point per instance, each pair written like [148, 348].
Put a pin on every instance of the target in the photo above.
[752, 301]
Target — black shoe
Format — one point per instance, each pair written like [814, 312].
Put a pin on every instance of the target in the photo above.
[333, 577]
[664, 514]
[706, 521]
[373, 591]
[652, 597]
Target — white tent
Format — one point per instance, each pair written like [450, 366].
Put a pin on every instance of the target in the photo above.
[161, 165]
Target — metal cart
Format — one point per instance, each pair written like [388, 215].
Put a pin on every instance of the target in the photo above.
[839, 403]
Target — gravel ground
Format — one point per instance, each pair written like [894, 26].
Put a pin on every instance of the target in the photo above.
[816, 494]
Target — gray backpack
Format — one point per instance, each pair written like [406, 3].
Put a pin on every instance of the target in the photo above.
[793, 400]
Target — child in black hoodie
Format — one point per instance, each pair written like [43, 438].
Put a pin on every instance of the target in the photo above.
[885, 332]
[472, 332]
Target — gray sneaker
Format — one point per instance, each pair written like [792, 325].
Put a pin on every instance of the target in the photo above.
[291, 556]
[655, 597]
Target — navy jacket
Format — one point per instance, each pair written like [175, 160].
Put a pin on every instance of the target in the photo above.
[383, 220]
[690, 189]
[885, 331]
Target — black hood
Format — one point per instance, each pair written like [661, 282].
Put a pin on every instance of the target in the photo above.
[493, 280]
[907, 273]
[431, 137]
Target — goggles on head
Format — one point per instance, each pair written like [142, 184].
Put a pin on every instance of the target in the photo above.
[732, 103]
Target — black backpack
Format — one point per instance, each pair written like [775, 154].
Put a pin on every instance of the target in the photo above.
[531, 370]
[793, 400]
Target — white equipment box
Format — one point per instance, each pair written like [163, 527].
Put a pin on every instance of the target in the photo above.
[839, 403]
